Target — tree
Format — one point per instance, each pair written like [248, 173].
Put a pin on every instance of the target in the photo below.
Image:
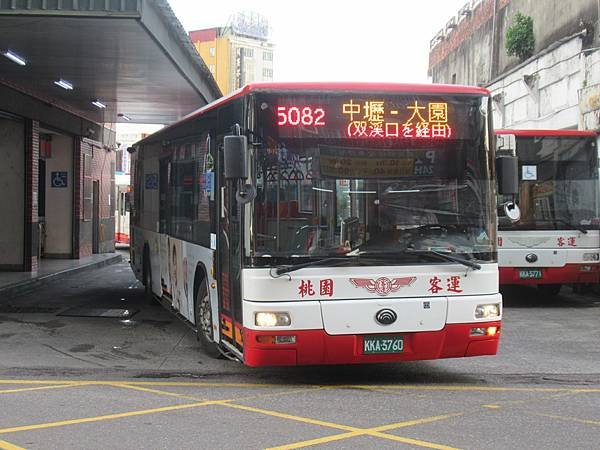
[519, 37]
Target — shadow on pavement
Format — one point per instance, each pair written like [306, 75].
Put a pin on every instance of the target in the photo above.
[530, 297]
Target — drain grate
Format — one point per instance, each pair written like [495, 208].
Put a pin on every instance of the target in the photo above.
[12, 309]
[111, 313]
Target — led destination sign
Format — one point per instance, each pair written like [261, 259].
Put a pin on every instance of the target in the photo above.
[384, 117]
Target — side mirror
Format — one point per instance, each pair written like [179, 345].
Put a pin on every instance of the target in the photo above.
[512, 211]
[235, 159]
[507, 172]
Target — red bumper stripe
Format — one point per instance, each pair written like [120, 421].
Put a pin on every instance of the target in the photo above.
[314, 347]
[568, 274]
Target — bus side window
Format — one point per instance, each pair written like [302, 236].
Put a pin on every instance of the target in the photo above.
[127, 202]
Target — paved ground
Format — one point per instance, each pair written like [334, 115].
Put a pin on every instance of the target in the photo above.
[73, 382]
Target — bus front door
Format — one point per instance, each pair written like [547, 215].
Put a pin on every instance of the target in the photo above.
[229, 248]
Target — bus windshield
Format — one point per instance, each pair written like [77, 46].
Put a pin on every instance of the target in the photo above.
[336, 196]
[558, 187]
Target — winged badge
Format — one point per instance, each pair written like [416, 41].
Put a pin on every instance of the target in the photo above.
[383, 285]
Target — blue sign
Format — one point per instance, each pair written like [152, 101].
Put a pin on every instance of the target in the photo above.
[151, 181]
[58, 179]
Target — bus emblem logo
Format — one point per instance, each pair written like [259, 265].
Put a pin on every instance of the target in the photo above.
[382, 285]
[386, 316]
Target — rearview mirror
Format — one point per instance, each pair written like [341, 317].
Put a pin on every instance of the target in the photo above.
[512, 211]
[235, 157]
[507, 173]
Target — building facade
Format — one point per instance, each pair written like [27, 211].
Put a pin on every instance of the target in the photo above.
[64, 183]
[238, 53]
[557, 87]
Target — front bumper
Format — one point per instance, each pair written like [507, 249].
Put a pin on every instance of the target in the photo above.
[568, 274]
[315, 347]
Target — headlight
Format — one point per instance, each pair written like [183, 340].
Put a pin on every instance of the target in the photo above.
[591, 256]
[272, 319]
[488, 311]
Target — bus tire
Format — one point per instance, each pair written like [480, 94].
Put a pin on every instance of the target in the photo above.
[550, 290]
[204, 322]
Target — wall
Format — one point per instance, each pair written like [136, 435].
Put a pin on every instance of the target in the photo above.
[101, 168]
[59, 200]
[467, 50]
[220, 61]
[12, 200]
[562, 91]
[589, 94]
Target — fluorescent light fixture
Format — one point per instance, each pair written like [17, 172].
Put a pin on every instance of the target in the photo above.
[124, 117]
[14, 57]
[64, 84]
[322, 189]
[99, 104]
[404, 191]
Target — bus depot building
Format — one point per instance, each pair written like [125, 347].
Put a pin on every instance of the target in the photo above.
[57, 199]
[61, 95]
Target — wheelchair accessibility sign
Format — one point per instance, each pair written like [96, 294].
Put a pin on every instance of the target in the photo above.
[58, 179]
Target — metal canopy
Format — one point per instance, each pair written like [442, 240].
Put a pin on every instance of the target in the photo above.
[131, 55]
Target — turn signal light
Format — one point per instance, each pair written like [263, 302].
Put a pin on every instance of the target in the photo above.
[268, 339]
[485, 331]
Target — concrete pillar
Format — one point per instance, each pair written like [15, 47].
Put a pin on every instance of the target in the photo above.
[31, 230]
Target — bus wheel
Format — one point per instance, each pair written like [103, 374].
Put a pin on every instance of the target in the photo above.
[204, 322]
[549, 290]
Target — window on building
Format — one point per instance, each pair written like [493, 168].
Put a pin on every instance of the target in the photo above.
[248, 52]
[453, 78]
[267, 73]
[211, 67]
[212, 51]
[267, 56]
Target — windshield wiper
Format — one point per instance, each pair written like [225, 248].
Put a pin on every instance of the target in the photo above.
[396, 255]
[292, 268]
[572, 225]
[448, 257]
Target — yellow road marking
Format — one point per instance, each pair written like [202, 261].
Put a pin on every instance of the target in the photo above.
[352, 431]
[377, 432]
[570, 419]
[491, 406]
[250, 397]
[57, 386]
[110, 416]
[274, 385]
[156, 391]
[317, 441]
[292, 417]
[8, 446]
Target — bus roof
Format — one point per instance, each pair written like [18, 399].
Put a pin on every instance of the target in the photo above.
[326, 87]
[565, 133]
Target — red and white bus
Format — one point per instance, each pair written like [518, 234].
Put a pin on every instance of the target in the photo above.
[557, 239]
[325, 223]
[122, 196]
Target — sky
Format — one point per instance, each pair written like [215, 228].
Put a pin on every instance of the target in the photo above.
[320, 40]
